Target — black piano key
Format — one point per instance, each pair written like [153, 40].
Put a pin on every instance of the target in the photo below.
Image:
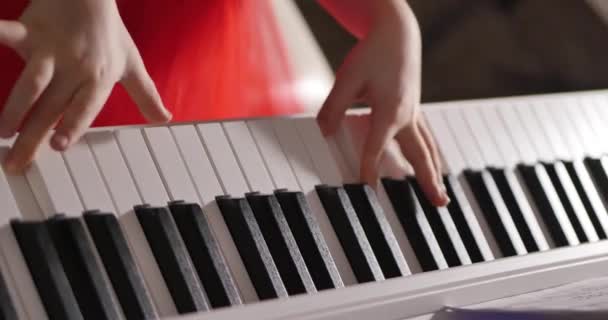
[486, 200]
[598, 169]
[7, 307]
[77, 254]
[580, 189]
[404, 202]
[441, 233]
[252, 247]
[46, 269]
[565, 200]
[172, 258]
[514, 209]
[281, 243]
[378, 230]
[455, 209]
[118, 260]
[206, 254]
[540, 193]
[350, 233]
[310, 240]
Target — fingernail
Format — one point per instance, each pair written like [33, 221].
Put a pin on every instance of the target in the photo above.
[60, 142]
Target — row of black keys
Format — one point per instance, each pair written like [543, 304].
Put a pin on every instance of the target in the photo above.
[277, 237]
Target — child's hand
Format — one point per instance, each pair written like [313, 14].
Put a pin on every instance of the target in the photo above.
[75, 52]
[383, 70]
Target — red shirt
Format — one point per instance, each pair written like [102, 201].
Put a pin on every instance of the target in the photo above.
[210, 59]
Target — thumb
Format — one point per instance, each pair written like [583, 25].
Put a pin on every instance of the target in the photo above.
[142, 90]
[12, 33]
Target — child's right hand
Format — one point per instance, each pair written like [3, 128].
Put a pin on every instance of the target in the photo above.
[75, 52]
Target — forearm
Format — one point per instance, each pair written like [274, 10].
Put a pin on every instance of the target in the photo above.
[359, 16]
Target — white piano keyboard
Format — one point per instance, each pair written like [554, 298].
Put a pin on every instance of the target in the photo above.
[263, 219]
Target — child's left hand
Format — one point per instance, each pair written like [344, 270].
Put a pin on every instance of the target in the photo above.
[383, 70]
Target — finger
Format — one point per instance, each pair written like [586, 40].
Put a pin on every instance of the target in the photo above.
[34, 79]
[430, 143]
[37, 126]
[346, 90]
[143, 91]
[12, 33]
[80, 114]
[378, 137]
[414, 148]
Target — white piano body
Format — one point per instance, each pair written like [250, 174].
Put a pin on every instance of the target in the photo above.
[114, 169]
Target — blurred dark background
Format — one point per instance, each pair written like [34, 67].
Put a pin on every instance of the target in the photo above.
[489, 48]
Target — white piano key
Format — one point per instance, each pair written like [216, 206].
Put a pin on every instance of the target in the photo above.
[450, 227]
[197, 162]
[494, 138]
[529, 136]
[592, 194]
[577, 114]
[562, 122]
[142, 167]
[530, 121]
[566, 146]
[124, 196]
[170, 164]
[596, 120]
[581, 126]
[535, 223]
[515, 129]
[208, 186]
[547, 122]
[576, 202]
[465, 142]
[248, 156]
[501, 136]
[304, 170]
[87, 179]
[560, 212]
[227, 168]
[14, 268]
[351, 142]
[481, 236]
[274, 157]
[453, 157]
[466, 139]
[24, 197]
[323, 157]
[52, 184]
[485, 142]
